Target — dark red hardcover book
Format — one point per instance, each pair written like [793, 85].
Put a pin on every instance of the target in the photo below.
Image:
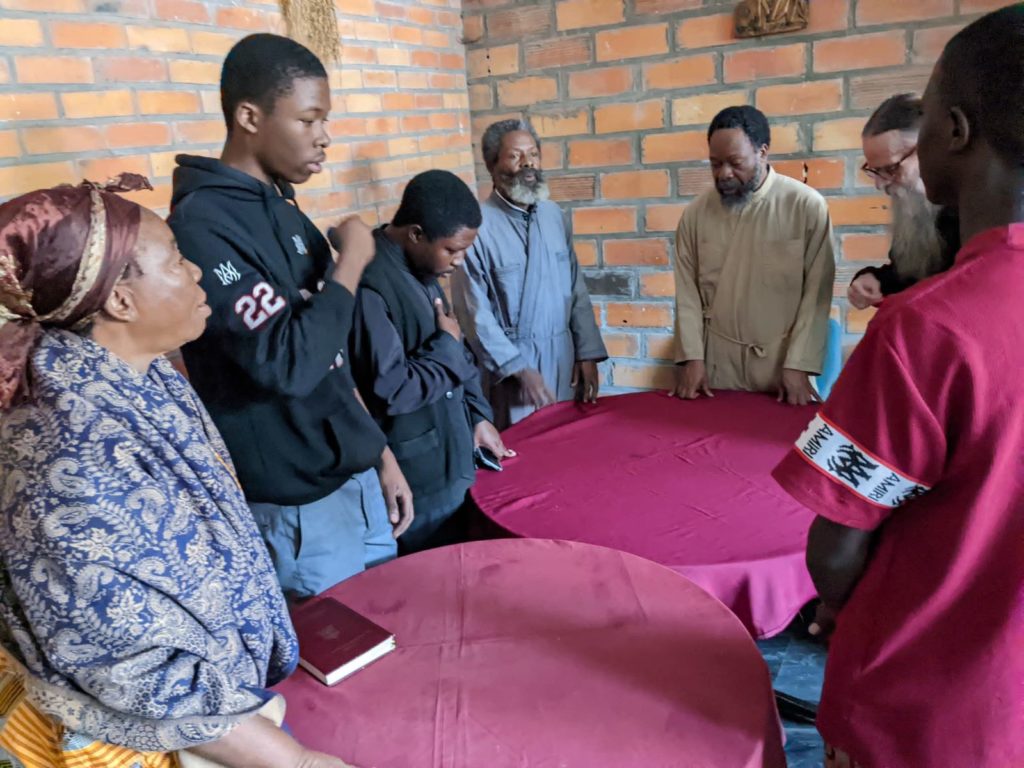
[335, 641]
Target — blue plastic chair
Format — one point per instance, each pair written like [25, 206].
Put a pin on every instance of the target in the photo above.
[833, 359]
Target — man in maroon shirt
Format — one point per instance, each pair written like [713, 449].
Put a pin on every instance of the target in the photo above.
[915, 465]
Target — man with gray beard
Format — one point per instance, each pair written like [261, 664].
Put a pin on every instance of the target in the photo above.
[519, 295]
[925, 236]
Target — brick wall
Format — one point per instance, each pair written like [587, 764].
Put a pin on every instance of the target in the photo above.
[622, 91]
[91, 87]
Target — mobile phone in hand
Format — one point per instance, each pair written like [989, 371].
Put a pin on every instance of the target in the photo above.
[485, 459]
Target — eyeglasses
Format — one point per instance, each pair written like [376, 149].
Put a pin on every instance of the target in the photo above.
[888, 172]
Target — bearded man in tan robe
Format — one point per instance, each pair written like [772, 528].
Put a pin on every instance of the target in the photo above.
[754, 269]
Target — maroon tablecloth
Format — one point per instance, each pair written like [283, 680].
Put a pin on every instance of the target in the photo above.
[683, 483]
[543, 654]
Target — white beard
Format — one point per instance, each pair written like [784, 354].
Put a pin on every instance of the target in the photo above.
[524, 195]
[916, 244]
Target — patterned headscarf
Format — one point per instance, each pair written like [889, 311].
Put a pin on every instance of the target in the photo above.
[61, 252]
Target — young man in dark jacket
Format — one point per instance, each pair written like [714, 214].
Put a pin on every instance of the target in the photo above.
[272, 367]
[418, 378]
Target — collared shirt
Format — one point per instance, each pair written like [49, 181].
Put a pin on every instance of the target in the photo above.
[922, 441]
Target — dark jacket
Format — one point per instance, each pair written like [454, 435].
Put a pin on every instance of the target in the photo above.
[272, 365]
[947, 222]
[421, 385]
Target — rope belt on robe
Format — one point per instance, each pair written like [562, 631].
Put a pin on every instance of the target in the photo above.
[749, 347]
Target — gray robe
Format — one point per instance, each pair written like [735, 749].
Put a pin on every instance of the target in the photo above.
[522, 303]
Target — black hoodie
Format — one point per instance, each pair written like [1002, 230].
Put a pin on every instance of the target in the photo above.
[272, 365]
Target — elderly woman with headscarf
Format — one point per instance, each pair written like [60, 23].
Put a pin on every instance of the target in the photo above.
[140, 618]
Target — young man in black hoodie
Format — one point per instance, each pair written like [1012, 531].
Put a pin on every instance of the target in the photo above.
[272, 367]
[418, 378]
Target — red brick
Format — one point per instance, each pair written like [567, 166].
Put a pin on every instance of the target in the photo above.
[663, 218]
[659, 285]
[199, 72]
[27, 106]
[631, 42]
[981, 6]
[887, 49]
[838, 134]
[822, 172]
[211, 43]
[562, 124]
[593, 153]
[9, 146]
[97, 104]
[243, 18]
[45, 141]
[453, 61]
[103, 168]
[680, 73]
[566, 188]
[608, 81]
[518, 23]
[675, 147]
[443, 122]
[481, 97]
[801, 98]
[435, 39]
[406, 80]
[358, 54]
[869, 91]
[643, 376]
[586, 252]
[159, 39]
[472, 29]
[863, 247]
[182, 10]
[18, 179]
[859, 211]
[621, 344]
[889, 12]
[200, 131]
[527, 91]
[576, 14]
[638, 315]
[558, 52]
[119, 69]
[786, 139]
[828, 16]
[594, 221]
[618, 118]
[656, 7]
[415, 123]
[52, 69]
[430, 101]
[138, 135]
[647, 252]
[692, 181]
[929, 43]
[69, 35]
[493, 62]
[407, 35]
[763, 63]
[45, 6]
[701, 110]
[22, 33]
[627, 184]
[706, 31]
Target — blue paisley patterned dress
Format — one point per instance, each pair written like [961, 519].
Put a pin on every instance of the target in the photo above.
[136, 596]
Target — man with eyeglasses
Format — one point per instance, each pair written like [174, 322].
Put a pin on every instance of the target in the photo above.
[925, 236]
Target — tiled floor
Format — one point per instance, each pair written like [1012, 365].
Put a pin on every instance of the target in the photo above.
[797, 666]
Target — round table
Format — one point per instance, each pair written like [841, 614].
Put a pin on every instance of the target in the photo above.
[542, 654]
[684, 483]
